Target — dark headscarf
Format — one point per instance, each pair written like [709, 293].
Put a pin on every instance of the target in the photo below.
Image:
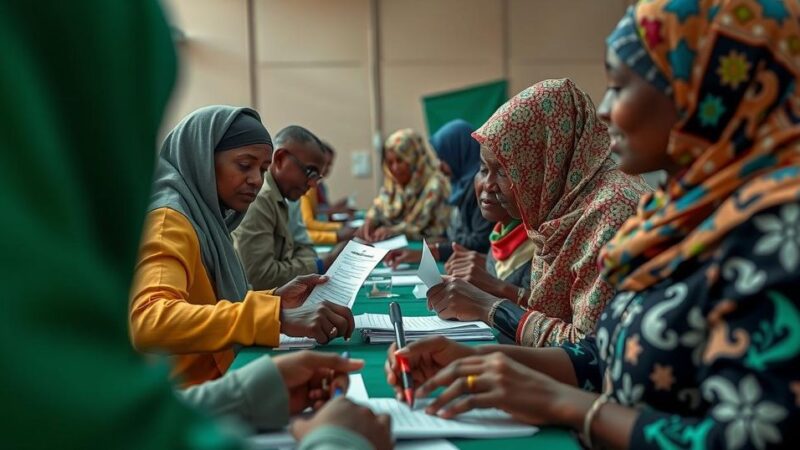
[245, 130]
[455, 146]
[185, 181]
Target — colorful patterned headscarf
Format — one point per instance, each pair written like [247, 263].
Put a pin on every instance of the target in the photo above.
[571, 197]
[732, 69]
[414, 206]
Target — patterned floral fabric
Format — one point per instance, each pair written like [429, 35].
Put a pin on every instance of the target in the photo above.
[732, 68]
[420, 208]
[711, 355]
[704, 334]
[572, 200]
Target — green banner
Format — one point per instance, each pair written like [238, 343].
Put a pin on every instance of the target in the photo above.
[474, 104]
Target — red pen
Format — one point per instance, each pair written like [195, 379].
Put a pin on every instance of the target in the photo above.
[396, 317]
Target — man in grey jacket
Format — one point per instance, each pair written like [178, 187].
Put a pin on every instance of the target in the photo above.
[265, 240]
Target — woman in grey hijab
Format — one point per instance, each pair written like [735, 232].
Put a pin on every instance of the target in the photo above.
[190, 296]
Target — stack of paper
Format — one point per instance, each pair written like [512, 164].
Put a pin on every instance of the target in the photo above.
[295, 343]
[378, 329]
[415, 423]
[424, 431]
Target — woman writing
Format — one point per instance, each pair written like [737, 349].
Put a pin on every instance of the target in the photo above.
[700, 346]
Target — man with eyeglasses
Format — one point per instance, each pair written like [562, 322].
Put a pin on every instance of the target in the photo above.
[265, 241]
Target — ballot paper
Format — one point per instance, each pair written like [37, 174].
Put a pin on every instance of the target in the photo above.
[392, 243]
[414, 423]
[428, 271]
[285, 441]
[295, 343]
[356, 392]
[378, 328]
[347, 274]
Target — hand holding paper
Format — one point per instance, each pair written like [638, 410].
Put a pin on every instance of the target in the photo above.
[347, 274]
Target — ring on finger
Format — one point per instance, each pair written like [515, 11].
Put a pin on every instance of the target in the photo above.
[333, 331]
[471, 383]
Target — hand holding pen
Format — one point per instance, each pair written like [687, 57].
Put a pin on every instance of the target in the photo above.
[425, 358]
[304, 374]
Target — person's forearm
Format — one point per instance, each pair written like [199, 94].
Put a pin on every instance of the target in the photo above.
[507, 290]
[553, 362]
[611, 426]
[254, 394]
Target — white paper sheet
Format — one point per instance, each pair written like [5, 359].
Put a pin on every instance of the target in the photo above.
[285, 441]
[392, 243]
[397, 280]
[389, 271]
[420, 291]
[378, 329]
[425, 444]
[405, 280]
[428, 271]
[355, 223]
[295, 343]
[347, 274]
[414, 323]
[416, 424]
[356, 392]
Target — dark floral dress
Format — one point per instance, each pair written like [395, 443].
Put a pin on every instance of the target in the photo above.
[711, 357]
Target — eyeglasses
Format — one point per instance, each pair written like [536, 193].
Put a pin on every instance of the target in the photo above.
[312, 173]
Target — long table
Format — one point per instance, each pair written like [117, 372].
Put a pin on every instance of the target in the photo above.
[375, 381]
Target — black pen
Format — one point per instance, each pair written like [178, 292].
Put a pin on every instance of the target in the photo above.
[396, 317]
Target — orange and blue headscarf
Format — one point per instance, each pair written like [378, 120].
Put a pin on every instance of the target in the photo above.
[731, 69]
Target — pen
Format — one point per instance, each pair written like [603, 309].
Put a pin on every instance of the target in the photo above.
[400, 339]
[337, 392]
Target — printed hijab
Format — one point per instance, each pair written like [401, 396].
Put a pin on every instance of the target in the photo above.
[571, 197]
[731, 70]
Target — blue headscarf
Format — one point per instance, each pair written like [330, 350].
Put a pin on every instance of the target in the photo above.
[455, 146]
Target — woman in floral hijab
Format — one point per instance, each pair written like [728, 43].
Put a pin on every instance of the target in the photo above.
[701, 345]
[547, 152]
[413, 200]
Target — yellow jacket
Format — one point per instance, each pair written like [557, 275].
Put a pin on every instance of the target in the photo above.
[173, 307]
[320, 232]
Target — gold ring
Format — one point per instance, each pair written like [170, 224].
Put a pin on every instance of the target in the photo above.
[471, 382]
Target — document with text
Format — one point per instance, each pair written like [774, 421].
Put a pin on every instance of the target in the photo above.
[347, 274]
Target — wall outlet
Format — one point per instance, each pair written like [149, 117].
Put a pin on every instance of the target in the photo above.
[360, 165]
